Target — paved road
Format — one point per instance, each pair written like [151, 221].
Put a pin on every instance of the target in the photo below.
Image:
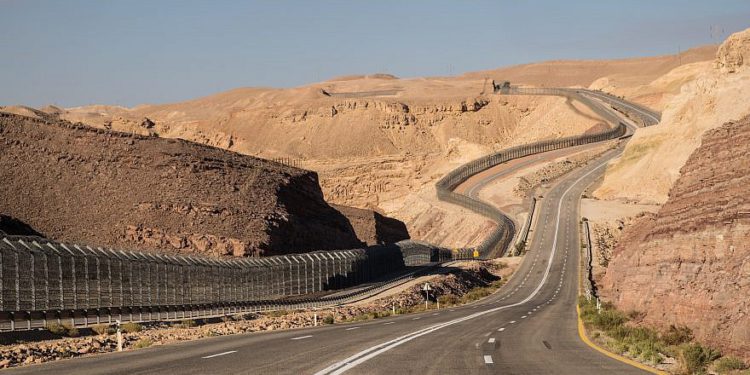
[529, 327]
[651, 117]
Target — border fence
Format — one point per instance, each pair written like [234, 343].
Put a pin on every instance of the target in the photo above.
[41, 280]
[498, 241]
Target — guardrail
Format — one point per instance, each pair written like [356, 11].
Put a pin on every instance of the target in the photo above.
[588, 282]
[523, 237]
[498, 241]
[42, 280]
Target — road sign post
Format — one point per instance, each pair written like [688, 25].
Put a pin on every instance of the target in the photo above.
[426, 287]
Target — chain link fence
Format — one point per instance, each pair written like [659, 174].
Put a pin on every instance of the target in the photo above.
[41, 279]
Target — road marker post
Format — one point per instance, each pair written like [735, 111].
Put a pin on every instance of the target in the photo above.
[427, 290]
[119, 335]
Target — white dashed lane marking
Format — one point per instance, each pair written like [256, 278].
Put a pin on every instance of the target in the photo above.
[219, 354]
[301, 337]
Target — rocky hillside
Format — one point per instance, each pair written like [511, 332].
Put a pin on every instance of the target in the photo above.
[689, 263]
[74, 183]
[707, 95]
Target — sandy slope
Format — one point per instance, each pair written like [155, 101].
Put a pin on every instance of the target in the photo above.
[710, 94]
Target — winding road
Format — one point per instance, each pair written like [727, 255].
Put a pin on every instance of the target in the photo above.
[528, 327]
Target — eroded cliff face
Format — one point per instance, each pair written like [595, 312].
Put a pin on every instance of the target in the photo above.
[78, 184]
[690, 263]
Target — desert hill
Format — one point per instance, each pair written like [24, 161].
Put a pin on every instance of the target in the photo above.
[70, 182]
[630, 72]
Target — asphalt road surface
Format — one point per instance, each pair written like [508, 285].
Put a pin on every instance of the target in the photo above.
[528, 327]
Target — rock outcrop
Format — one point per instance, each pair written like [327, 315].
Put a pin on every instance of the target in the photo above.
[372, 227]
[734, 52]
[689, 263]
[79, 184]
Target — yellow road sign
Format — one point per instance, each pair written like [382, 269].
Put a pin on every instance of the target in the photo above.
[476, 253]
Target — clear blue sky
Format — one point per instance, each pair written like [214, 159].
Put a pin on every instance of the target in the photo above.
[77, 52]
